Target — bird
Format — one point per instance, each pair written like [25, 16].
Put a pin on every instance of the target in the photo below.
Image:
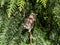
[29, 24]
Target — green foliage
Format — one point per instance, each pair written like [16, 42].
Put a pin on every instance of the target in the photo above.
[43, 2]
[57, 13]
[2, 2]
[21, 4]
[47, 26]
[11, 7]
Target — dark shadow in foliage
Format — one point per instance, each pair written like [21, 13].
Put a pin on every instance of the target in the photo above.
[4, 7]
[49, 8]
[24, 31]
[50, 24]
[32, 2]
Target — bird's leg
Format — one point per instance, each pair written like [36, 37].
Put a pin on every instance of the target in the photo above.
[30, 36]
